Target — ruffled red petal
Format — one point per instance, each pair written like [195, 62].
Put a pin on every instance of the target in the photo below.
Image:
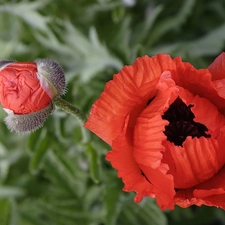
[217, 68]
[193, 163]
[163, 186]
[198, 159]
[148, 133]
[148, 138]
[214, 122]
[198, 82]
[121, 158]
[126, 94]
[219, 86]
[210, 192]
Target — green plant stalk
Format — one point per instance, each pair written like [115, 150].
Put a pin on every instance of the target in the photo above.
[74, 111]
[71, 109]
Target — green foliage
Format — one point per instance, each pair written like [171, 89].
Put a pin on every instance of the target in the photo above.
[58, 175]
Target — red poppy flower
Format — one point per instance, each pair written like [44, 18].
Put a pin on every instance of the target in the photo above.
[27, 90]
[165, 122]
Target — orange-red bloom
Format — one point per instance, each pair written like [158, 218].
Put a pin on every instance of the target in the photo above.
[165, 121]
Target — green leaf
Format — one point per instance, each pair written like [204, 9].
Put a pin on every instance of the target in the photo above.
[94, 159]
[7, 159]
[9, 191]
[32, 17]
[8, 212]
[142, 213]
[172, 23]
[34, 139]
[207, 45]
[90, 56]
[65, 173]
[118, 14]
[14, 218]
[142, 32]
[112, 199]
[4, 211]
[38, 155]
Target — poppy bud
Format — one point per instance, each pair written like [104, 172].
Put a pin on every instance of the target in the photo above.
[27, 90]
[28, 122]
[51, 77]
[4, 63]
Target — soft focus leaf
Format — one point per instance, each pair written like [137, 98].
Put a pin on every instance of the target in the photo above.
[4, 211]
[145, 30]
[38, 155]
[7, 191]
[143, 213]
[95, 165]
[111, 200]
[209, 44]
[31, 15]
[172, 23]
[90, 56]
[34, 139]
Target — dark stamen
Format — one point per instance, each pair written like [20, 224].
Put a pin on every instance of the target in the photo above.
[182, 124]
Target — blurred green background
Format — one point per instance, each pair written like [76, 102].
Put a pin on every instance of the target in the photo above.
[52, 176]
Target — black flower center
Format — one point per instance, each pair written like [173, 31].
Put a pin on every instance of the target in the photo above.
[181, 123]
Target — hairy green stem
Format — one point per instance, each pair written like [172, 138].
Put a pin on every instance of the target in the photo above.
[69, 108]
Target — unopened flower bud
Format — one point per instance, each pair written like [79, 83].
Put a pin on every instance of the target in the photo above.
[25, 123]
[51, 77]
[27, 90]
[4, 63]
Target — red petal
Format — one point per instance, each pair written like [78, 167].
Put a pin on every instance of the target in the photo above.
[193, 163]
[126, 94]
[198, 82]
[163, 187]
[121, 158]
[148, 137]
[214, 122]
[198, 159]
[148, 133]
[219, 86]
[217, 68]
[211, 193]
